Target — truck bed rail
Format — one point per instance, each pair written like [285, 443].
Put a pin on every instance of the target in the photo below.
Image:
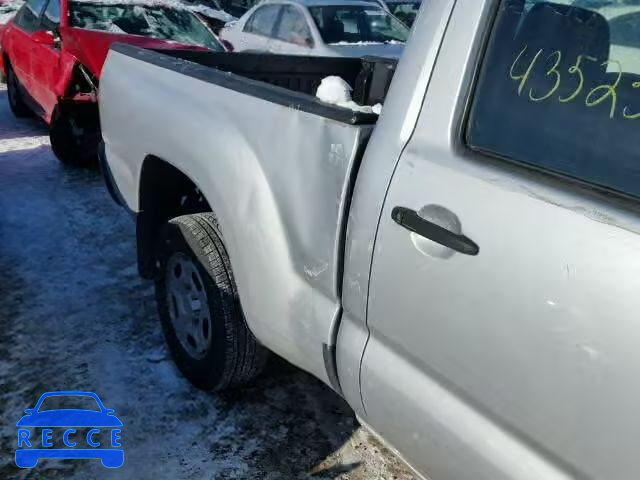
[283, 79]
[370, 77]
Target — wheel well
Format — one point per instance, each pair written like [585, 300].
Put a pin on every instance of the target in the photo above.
[6, 63]
[165, 192]
[82, 81]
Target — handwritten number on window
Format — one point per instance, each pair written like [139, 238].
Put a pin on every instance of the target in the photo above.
[552, 71]
[609, 91]
[523, 78]
[596, 95]
[629, 116]
[576, 70]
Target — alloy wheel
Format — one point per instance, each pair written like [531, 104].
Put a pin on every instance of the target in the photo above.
[188, 305]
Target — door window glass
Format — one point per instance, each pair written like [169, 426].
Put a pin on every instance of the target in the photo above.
[263, 20]
[51, 17]
[559, 90]
[28, 18]
[358, 24]
[293, 27]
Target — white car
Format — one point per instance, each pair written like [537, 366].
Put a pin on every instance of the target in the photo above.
[329, 28]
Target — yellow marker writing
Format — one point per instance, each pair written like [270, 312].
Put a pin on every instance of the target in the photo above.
[610, 90]
[552, 71]
[523, 78]
[624, 112]
[576, 70]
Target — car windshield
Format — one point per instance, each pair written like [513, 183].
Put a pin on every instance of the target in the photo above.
[69, 402]
[353, 24]
[405, 11]
[163, 23]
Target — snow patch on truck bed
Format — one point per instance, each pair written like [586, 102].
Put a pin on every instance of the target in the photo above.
[337, 91]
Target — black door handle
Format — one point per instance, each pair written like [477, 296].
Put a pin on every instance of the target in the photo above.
[410, 220]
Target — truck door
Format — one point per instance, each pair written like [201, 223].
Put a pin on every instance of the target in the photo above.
[504, 291]
[46, 59]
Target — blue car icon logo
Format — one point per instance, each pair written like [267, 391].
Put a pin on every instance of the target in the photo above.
[44, 427]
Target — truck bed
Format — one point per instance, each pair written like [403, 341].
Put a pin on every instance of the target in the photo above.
[284, 79]
[276, 166]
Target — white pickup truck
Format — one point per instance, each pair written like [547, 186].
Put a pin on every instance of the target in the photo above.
[464, 270]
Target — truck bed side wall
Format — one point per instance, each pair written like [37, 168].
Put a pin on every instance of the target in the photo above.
[277, 177]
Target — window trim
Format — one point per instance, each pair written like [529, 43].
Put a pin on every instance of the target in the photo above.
[276, 24]
[563, 181]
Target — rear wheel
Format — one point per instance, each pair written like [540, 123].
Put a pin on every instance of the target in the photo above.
[75, 135]
[16, 103]
[199, 307]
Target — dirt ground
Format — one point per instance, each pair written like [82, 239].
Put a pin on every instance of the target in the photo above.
[75, 316]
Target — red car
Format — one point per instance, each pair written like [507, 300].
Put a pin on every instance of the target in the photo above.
[53, 51]
[2, 76]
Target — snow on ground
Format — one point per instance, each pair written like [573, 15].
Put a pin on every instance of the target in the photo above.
[74, 315]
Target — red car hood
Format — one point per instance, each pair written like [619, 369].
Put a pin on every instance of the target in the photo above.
[91, 47]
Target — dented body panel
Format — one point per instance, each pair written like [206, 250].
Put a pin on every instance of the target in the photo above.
[281, 202]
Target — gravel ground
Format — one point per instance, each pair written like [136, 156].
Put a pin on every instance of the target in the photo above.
[75, 316]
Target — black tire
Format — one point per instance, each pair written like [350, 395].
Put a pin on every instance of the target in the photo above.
[75, 138]
[233, 357]
[16, 103]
